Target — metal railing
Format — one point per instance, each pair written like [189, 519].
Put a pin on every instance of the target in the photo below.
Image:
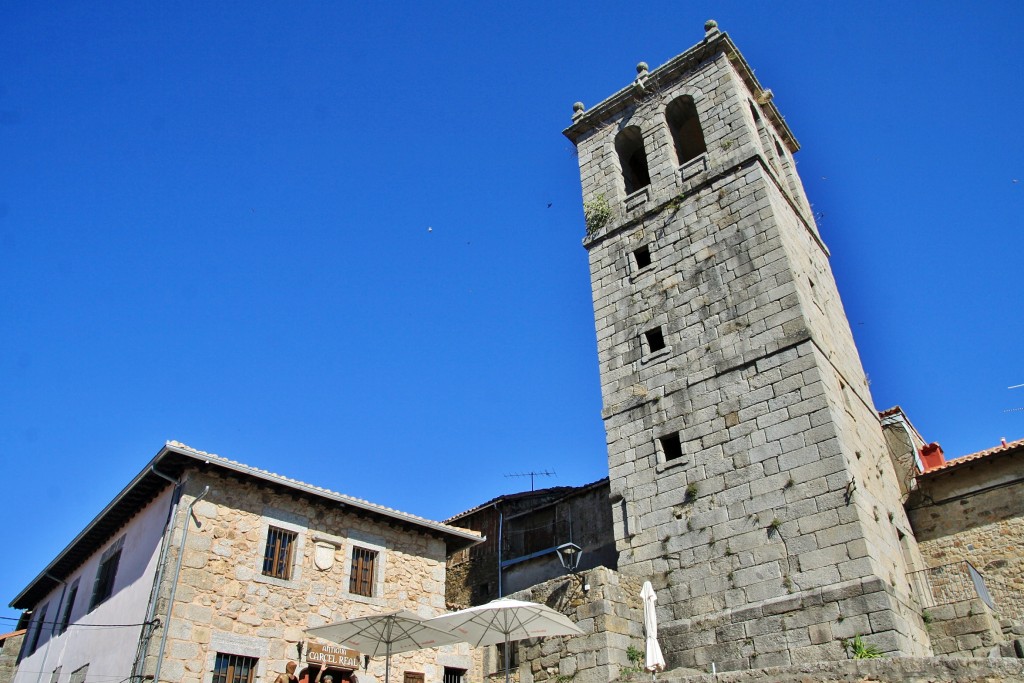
[949, 583]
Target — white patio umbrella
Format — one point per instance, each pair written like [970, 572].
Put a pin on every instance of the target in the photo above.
[502, 621]
[655, 661]
[384, 634]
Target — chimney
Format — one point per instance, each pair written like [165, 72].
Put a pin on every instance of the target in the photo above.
[931, 456]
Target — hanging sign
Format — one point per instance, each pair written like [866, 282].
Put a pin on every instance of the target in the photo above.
[334, 655]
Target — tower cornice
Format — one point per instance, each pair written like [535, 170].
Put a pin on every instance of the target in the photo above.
[715, 43]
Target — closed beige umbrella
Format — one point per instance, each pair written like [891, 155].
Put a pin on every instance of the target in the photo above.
[655, 661]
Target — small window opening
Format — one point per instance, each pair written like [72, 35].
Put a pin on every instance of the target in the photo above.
[79, 674]
[277, 556]
[33, 640]
[229, 668]
[671, 446]
[755, 113]
[103, 586]
[364, 565]
[655, 340]
[778, 149]
[513, 655]
[630, 145]
[642, 257]
[65, 618]
[453, 675]
[683, 122]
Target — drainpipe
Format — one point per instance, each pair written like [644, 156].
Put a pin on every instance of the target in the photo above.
[148, 625]
[174, 584]
[501, 526]
[46, 650]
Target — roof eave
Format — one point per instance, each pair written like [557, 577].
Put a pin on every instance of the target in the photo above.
[46, 575]
[455, 538]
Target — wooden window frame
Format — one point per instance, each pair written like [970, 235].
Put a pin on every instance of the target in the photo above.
[364, 571]
[279, 553]
[229, 668]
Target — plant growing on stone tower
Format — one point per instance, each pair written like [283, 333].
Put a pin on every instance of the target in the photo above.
[635, 656]
[691, 493]
[596, 213]
[861, 650]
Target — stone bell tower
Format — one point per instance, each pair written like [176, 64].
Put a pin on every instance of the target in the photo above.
[750, 479]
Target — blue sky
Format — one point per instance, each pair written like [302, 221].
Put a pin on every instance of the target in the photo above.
[342, 242]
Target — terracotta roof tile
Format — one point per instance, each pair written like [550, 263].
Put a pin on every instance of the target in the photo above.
[890, 411]
[974, 457]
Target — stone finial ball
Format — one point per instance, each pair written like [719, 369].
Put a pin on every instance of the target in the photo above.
[641, 67]
[578, 107]
[710, 24]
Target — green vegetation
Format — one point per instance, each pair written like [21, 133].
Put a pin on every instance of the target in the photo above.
[861, 650]
[691, 493]
[596, 212]
[635, 657]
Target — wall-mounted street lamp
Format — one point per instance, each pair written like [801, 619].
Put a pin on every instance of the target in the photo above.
[569, 555]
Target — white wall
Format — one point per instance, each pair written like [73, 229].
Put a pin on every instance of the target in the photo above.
[110, 651]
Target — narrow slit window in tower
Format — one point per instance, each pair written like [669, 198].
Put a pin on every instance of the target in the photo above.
[642, 257]
[683, 122]
[655, 340]
[671, 446]
[630, 145]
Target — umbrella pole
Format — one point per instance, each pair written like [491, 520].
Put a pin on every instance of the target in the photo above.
[508, 674]
[387, 663]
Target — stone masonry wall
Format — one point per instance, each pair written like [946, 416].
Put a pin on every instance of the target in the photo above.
[9, 648]
[783, 493]
[966, 628]
[223, 603]
[610, 615]
[985, 528]
[895, 670]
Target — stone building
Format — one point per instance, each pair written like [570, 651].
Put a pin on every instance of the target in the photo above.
[750, 479]
[204, 569]
[10, 645]
[522, 532]
[968, 517]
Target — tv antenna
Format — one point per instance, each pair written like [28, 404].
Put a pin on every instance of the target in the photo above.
[532, 476]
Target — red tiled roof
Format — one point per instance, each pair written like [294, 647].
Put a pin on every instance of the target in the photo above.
[890, 411]
[5, 636]
[974, 457]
